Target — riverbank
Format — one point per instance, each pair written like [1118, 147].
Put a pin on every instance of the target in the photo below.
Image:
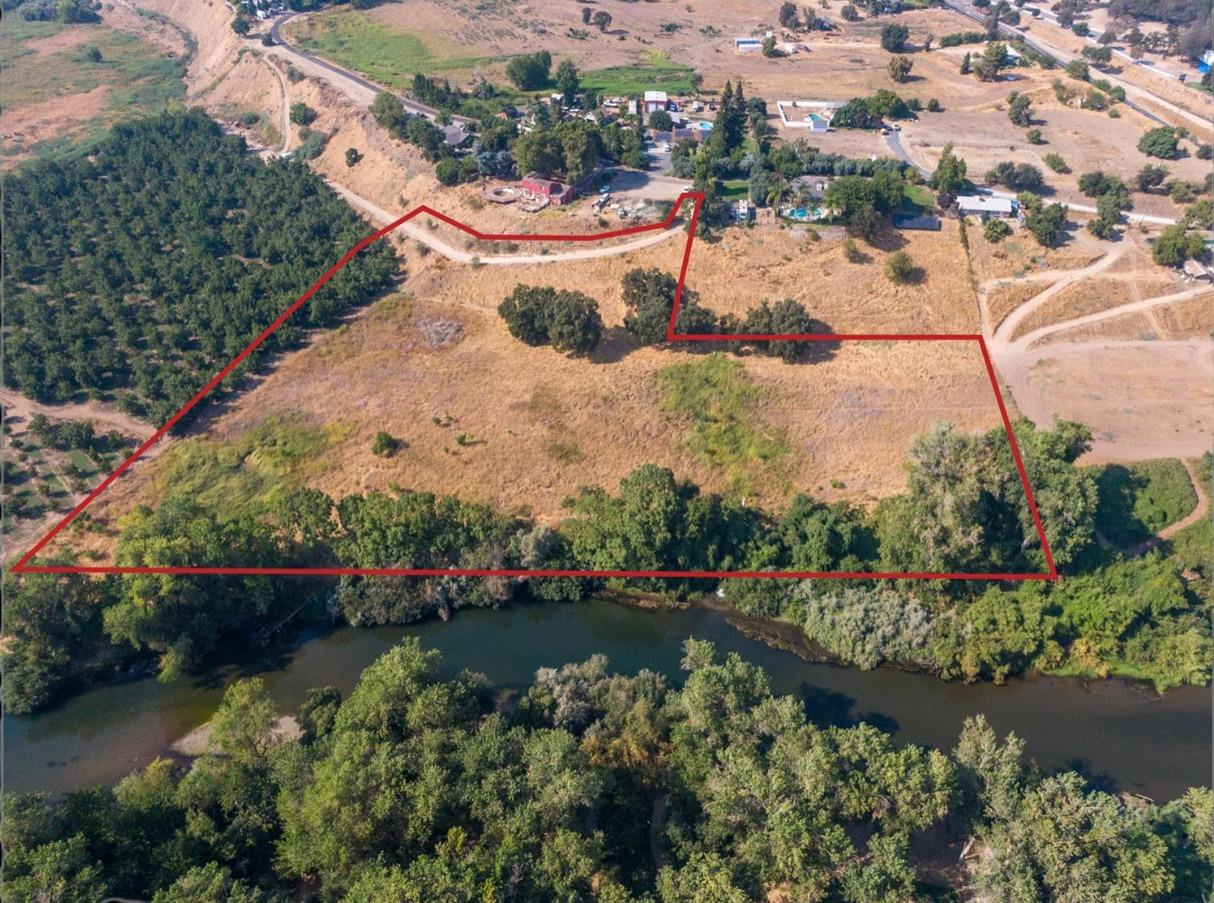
[1119, 736]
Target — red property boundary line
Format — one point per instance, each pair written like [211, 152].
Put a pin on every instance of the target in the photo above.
[23, 565]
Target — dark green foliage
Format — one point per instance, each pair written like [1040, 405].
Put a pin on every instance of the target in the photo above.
[1020, 109]
[1139, 500]
[1159, 142]
[893, 37]
[996, 230]
[869, 112]
[139, 272]
[52, 625]
[185, 618]
[302, 114]
[384, 445]
[1175, 244]
[864, 203]
[957, 38]
[539, 315]
[419, 790]
[786, 317]
[1046, 224]
[529, 72]
[1016, 176]
[660, 121]
[649, 298]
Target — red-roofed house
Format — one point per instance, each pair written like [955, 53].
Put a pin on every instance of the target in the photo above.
[556, 192]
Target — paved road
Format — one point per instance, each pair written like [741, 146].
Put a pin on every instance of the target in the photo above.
[1065, 56]
[353, 85]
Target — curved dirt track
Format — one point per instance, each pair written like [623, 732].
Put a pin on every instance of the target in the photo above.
[419, 233]
[1143, 398]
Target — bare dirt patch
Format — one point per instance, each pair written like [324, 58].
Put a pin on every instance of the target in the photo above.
[1151, 400]
[23, 127]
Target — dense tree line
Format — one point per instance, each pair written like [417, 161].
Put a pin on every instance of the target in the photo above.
[570, 148]
[140, 270]
[570, 322]
[964, 510]
[593, 786]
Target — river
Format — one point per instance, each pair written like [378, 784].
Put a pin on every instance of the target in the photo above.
[1124, 736]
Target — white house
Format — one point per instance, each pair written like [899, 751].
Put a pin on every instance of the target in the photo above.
[655, 100]
[747, 45]
[984, 206]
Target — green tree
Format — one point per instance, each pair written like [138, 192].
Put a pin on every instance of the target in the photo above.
[996, 230]
[540, 315]
[185, 617]
[1047, 224]
[302, 114]
[529, 71]
[1056, 162]
[949, 175]
[1150, 177]
[567, 82]
[1020, 109]
[899, 268]
[384, 445]
[1175, 244]
[389, 114]
[894, 37]
[1159, 142]
[900, 68]
[660, 121]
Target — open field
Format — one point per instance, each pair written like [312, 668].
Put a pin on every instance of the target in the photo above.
[1091, 296]
[58, 93]
[486, 417]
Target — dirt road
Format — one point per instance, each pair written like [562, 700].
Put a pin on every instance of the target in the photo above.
[356, 87]
[284, 117]
[382, 217]
[1142, 398]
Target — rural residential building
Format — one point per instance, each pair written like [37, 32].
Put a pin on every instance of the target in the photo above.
[555, 192]
[985, 207]
[747, 45]
[656, 100]
[455, 137]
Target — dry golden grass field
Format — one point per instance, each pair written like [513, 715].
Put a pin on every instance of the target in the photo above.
[486, 417]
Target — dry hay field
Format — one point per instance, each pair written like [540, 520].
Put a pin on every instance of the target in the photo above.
[1020, 255]
[1094, 295]
[486, 417]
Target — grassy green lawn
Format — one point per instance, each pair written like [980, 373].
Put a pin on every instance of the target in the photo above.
[1140, 500]
[354, 40]
[655, 73]
[920, 196]
[140, 77]
[734, 189]
[718, 400]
